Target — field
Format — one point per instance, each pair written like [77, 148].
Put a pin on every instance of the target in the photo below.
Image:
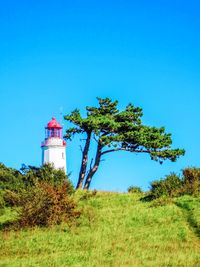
[116, 230]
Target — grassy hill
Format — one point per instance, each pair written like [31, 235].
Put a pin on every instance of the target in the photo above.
[115, 230]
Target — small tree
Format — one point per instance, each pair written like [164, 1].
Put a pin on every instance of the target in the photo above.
[115, 130]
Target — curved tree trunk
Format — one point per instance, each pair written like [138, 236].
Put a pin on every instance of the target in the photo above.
[84, 162]
[94, 168]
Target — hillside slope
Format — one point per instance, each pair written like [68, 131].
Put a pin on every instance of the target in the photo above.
[118, 230]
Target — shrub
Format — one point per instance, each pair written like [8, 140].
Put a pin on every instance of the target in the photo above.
[191, 181]
[87, 194]
[161, 201]
[10, 179]
[2, 201]
[11, 198]
[171, 186]
[134, 189]
[48, 174]
[13, 183]
[45, 204]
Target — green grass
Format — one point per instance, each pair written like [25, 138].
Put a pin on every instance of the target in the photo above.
[191, 209]
[117, 230]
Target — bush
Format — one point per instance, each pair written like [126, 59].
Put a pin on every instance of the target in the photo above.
[42, 195]
[171, 186]
[191, 181]
[45, 204]
[134, 189]
[13, 183]
[161, 201]
[87, 194]
[174, 186]
[2, 201]
[11, 198]
[10, 179]
[48, 174]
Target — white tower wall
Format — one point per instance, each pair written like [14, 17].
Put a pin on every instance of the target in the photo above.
[54, 152]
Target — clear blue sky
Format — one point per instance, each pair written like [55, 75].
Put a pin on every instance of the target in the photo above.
[57, 54]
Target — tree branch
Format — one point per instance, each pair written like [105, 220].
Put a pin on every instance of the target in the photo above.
[126, 149]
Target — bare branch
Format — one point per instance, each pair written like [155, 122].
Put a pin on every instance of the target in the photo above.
[114, 150]
[126, 149]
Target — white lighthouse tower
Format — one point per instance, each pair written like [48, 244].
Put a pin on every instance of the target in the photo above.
[54, 147]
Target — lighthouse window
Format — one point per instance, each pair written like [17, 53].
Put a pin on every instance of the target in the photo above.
[63, 156]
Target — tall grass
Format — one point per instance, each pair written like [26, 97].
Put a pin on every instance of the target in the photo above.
[115, 230]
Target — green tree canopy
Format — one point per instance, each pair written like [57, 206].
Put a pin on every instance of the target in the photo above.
[114, 130]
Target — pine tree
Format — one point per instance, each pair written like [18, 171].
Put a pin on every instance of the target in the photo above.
[115, 130]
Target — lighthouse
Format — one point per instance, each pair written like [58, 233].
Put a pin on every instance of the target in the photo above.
[54, 147]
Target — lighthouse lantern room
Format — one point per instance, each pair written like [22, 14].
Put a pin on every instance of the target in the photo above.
[54, 147]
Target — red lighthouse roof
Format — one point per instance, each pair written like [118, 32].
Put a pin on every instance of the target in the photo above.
[53, 124]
